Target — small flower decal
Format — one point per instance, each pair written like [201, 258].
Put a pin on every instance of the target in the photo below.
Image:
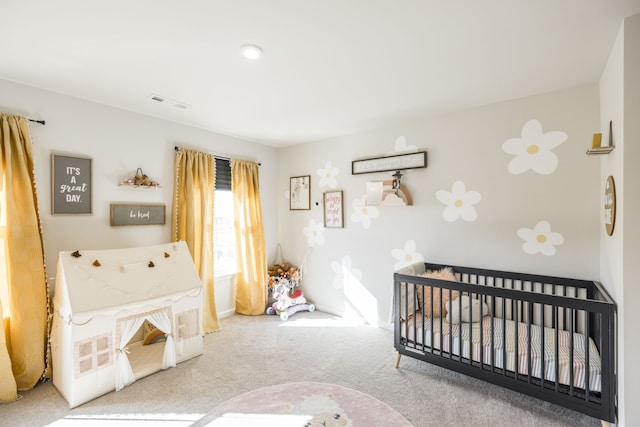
[533, 149]
[363, 213]
[315, 233]
[402, 147]
[540, 239]
[328, 176]
[406, 256]
[459, 203]
[344, 274]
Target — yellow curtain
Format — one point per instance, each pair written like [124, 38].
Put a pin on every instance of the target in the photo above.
[251, 288]
[192, 221]
[23, 340]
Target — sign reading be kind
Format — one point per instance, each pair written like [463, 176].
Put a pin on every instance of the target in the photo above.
[70, 185]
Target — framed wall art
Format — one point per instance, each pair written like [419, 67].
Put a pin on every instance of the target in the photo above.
[610, 205]
[137, 214]
[70, 185]
[390, 163]
[333, 211]
[300, 192]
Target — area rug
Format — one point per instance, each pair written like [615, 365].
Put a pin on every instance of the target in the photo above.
[303, 404]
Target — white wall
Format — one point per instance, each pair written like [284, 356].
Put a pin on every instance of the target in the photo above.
[620, 102]
[119, 142]
[464, 146]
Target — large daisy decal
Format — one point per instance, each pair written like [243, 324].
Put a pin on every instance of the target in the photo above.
[363, 213]
[344, 273]
[328, 176]
[534, 149]
[406, 256]
[314, 232]
[540, 239]
[459, 203]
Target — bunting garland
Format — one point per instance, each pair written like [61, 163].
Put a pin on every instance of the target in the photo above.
[123, 267]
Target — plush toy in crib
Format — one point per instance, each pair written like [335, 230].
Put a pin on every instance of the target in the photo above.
[453, 310]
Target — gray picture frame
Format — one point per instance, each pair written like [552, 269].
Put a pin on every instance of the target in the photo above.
[123, 214]
[71, 186]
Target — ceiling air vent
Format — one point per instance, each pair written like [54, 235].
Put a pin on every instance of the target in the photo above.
[167, 101]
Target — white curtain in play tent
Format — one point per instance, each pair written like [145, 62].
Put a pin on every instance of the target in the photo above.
[161, 320]
[124, 373]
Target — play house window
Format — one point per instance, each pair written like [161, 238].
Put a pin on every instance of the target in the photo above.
[188, 326]
[93, 353]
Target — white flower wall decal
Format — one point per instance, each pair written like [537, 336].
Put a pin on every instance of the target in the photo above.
[401, 146]
[540, 239]
[328, 176]
[363, 213]
[459, 202]
[344, 273]
[315, 233]
[533, 150]
[407, 256]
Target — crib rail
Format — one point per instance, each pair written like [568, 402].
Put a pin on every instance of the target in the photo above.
[540, 312]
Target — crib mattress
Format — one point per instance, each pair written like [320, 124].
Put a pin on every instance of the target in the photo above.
[504, 347]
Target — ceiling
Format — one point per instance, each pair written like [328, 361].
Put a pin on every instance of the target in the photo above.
[330, 67]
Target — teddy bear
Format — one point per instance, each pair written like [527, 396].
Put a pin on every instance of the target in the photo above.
[453, 309]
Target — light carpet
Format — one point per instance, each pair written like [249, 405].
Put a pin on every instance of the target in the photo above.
[303, 404]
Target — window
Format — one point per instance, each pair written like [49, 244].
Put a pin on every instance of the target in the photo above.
[224, 242]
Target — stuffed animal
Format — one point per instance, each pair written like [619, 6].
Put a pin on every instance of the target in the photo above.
[453, 310]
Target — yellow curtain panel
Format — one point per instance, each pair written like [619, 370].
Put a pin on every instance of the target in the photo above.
[251, 287]
[192, 221]
[24, 309]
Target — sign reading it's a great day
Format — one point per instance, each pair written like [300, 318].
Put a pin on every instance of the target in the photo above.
[71, 185]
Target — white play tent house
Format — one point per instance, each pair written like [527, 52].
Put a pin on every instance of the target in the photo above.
[101, 300]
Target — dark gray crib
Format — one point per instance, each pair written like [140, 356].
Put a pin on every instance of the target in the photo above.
[532, 335]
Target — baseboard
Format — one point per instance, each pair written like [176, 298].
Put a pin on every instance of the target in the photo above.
[380, 324]
[226, 313]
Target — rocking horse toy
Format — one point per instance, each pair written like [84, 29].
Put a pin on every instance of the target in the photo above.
[288, 303]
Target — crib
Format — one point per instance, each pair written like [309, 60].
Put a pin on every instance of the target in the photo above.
[547, 337]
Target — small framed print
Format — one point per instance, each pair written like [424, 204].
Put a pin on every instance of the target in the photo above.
[333, 212]
[300, 193]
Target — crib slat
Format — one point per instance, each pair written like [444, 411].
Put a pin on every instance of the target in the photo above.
[556, 356]
[543, 366]
[517, 339]
[571, 355]
[481, 333]
[587, 384]
[529, 354]
[504, 338]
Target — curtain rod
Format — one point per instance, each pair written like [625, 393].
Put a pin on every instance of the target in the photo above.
[37, 121]
[214, 155]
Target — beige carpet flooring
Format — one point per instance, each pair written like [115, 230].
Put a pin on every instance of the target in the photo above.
[254, 352]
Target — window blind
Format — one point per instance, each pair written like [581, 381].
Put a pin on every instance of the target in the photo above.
[223, 174]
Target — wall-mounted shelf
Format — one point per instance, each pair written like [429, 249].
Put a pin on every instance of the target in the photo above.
[124, 184]
[140, 180]
[599, 150]
[595, 145]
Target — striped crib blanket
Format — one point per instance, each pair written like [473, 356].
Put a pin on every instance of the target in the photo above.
[453, 338]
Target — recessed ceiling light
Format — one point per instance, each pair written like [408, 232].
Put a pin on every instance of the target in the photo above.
[251, 51]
